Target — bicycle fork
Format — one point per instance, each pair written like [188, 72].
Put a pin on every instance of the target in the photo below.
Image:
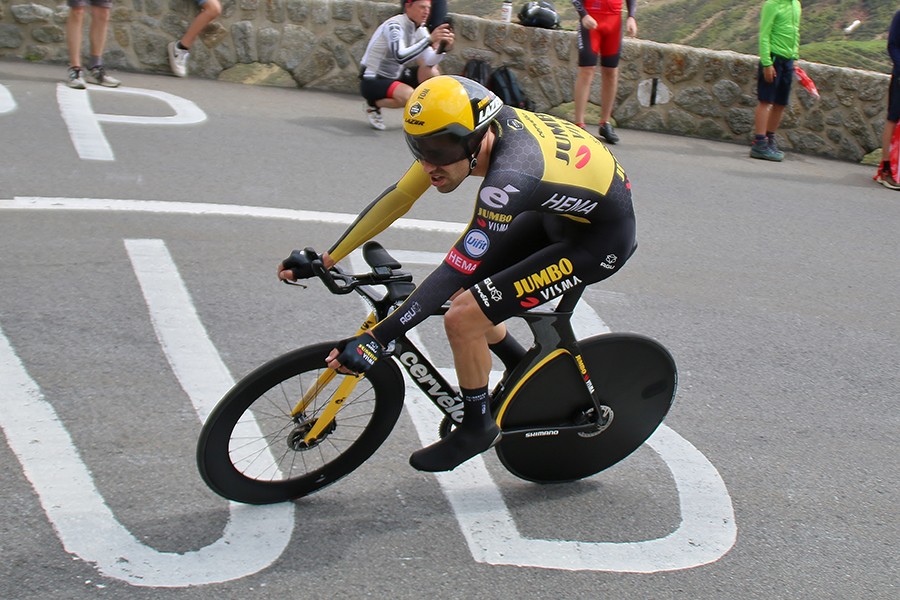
[323, 422]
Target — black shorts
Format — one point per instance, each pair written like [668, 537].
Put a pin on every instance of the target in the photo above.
[377, 88]
[893, 113]
[779, 91]
[550, 256]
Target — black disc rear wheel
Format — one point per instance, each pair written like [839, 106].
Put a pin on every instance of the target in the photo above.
[636, 380]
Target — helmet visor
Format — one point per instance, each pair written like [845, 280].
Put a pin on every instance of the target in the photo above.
[440, 149]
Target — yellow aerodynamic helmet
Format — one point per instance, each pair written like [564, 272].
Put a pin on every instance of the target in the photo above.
[446, 118]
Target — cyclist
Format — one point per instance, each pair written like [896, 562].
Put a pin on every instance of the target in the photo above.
[401, 40]
[554, 212]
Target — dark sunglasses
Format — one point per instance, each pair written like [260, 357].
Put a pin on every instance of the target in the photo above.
[442, 149]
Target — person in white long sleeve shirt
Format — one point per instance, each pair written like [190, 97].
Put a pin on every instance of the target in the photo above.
[400, 41]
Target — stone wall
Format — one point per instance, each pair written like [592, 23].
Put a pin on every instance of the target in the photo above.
[318, 44]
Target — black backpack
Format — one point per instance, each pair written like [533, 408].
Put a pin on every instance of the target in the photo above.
[539, 14]
[477, 70]
[504, 83]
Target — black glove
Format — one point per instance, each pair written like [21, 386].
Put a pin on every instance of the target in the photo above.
[300, 263]
[358, 354]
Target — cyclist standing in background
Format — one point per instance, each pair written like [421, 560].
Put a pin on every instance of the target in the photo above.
[403, 39]
[600, 33]
[554, 213]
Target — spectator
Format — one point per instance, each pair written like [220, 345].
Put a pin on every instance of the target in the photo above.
[403, 39]
[885, 176]
[180, 51]
[97, 39]
[779, 47]
[600, 33]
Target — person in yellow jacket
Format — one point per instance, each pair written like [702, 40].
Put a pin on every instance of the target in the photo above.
[779, 47]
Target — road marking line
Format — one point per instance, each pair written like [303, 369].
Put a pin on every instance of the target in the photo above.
[84, 124]
[254, 537]
[225, 210]
[7, 102]
[706, 533]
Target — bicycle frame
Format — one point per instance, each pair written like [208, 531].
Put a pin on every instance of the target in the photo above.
[556, 426]
[553, 337]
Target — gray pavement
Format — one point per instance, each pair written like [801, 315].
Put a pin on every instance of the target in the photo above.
[775, 286]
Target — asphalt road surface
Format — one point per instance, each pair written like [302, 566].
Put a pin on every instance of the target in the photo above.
[139, 233]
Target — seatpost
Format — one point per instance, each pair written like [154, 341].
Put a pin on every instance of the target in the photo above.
[567, 305]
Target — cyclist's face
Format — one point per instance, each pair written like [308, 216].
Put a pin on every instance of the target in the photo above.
[446, 178]
[418, 10]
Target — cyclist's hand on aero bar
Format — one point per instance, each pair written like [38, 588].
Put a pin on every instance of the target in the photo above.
[356, 354]
[299, 264]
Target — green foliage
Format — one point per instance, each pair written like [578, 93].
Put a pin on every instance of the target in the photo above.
[734, 25]
[871, 56]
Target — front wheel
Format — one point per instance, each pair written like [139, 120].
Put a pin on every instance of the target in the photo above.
[252, 450]
[543, 438]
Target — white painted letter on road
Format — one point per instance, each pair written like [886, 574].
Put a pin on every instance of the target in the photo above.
[84, 124]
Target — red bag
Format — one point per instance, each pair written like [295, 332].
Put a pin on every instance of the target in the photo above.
[806, 81]
[893, 156]
[895, 153]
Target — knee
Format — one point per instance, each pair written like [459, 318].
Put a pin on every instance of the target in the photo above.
[76, 13]
[99, 15]
[463, 317]
[213, 8]
[427, 72]
[402, 94]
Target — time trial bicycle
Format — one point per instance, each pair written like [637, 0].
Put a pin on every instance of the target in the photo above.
[568, 408]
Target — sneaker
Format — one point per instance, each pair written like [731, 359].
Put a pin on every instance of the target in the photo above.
[178, 60]
[885, 178]
[99, 76]
[763, 150]
[608, 133]
[582, 125]
[375, 120]
[457, 447]
[76, 79]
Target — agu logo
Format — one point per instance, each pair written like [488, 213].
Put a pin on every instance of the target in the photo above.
[476, 243]
[415, 109]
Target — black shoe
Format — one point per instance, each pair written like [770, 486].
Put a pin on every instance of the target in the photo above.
[608, 133]
[460, 445]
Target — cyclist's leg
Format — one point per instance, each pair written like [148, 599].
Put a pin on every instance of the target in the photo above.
[526, 235]
[470, 333]
[538, 271]
[586, 256]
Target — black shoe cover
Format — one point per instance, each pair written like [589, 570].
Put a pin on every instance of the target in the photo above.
[459, 446]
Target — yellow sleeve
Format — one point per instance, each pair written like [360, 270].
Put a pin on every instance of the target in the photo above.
[392, 204]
